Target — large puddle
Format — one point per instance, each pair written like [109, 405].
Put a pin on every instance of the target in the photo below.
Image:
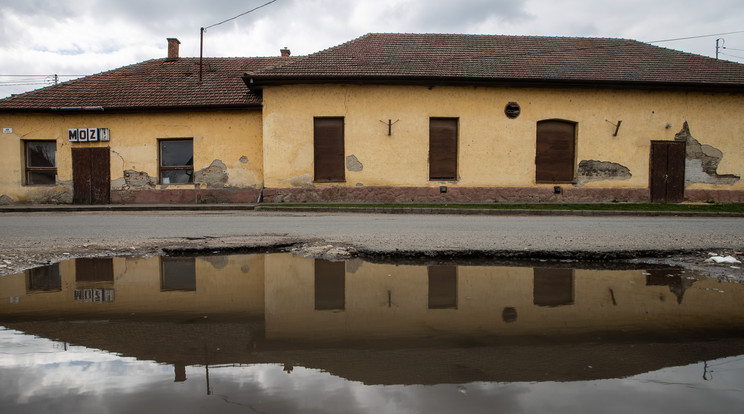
[277, 333]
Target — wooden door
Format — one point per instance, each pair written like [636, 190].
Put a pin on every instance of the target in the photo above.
[91, 175]
[667, 176]
[555, 151]
[443, 149]
[329, 149]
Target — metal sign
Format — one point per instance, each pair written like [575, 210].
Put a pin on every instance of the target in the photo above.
[88, 134]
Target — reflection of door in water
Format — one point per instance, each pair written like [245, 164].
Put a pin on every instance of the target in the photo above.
[667, 181]
[553, 287]
[91, 175]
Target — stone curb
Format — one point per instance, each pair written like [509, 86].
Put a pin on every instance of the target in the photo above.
[493, 212]
[41, 208]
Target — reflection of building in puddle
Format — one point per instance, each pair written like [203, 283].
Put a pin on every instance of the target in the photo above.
[44, 279]
[135, 286]
[94, 280]
[316, 300]
[674, 278]
[378, 323]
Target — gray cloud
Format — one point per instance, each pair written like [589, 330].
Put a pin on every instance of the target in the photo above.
[88, 36]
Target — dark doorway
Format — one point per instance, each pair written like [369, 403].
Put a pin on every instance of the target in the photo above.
[91, 175]
[667, 181]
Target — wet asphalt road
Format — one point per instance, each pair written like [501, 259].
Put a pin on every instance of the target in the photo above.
[378, 232]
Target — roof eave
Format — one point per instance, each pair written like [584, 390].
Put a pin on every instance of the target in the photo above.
[256, 83]
[133, 109]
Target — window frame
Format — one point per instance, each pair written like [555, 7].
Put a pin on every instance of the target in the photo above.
[27, 170]
[165, 168]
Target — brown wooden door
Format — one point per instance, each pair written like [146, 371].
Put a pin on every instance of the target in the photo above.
[443, 149]
[329, 149]
[667, 176]
[555, 151]
[91, 175]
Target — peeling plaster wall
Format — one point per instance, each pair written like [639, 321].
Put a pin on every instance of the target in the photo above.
[227, 153]
[214, 176]
[493, 150]
[353, 164]
[591, 170]
[701, 162]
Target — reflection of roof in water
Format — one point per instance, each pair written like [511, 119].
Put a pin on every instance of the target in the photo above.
[425, 361]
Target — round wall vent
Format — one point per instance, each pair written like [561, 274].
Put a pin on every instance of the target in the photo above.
[512, 110]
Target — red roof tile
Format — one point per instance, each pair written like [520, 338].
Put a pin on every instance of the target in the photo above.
[152, 85]
[447, 58]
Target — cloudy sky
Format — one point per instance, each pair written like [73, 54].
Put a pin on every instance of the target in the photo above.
[82, 37]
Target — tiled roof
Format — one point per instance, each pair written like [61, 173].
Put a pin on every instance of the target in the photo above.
[447, 58]
[152, 85]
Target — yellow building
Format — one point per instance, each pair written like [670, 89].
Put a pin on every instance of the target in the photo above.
[388, 118]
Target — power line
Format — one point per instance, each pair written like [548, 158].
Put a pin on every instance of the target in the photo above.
[726, 54]
[695, 37]
[241, 14]
[204, 29]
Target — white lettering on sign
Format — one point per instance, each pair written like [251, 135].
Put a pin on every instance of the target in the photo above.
[87, 134]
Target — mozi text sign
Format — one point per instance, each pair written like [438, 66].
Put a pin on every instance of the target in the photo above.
[87, 134]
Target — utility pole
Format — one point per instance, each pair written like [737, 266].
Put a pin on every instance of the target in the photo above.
[721, 45]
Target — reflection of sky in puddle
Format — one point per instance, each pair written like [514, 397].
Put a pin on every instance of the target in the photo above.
[277, 333]
[40, 376]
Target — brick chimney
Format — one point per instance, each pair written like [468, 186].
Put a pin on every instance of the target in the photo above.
[173, 48]
[285, 52]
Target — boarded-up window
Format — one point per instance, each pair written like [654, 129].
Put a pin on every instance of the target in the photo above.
[442, 287]
[554, 157]
[330, 285]
[443, 148]
[178, 273]
[329, 149]
[553, 287]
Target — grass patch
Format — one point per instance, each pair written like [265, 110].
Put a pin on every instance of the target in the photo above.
[694, 208]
